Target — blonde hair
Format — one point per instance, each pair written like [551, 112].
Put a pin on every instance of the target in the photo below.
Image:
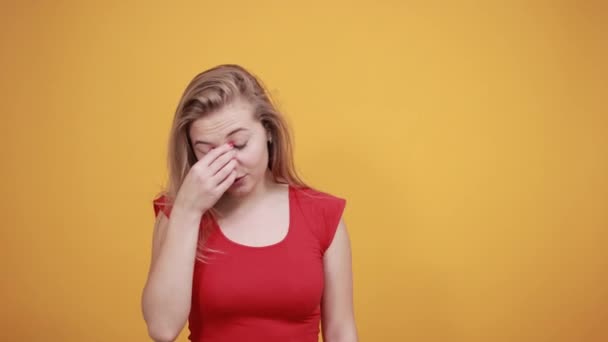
[207, 92]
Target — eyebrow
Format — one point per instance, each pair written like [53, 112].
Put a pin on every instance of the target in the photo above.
[227, 135]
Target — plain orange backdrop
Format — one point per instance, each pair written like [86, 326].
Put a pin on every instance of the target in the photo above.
[470, 139]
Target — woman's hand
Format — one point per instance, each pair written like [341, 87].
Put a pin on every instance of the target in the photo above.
[208, 179]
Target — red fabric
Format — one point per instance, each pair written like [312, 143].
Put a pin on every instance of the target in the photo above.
[270, 293]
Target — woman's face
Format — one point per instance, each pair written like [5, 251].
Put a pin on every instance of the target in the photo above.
[235, 123]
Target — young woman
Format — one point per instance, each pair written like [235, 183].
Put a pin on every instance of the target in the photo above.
[242, 249]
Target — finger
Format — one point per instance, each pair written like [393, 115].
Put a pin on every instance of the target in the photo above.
[221, 161]
[226, 183]
[221, 175]
[215, 153]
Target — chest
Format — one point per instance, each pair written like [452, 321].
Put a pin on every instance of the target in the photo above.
[283, 280]
[257, 228]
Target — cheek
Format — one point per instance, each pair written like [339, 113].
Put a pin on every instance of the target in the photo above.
[253, 157]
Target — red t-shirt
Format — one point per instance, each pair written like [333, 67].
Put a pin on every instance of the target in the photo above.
[270, 293]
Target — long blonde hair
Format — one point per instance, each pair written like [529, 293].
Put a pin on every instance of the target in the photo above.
[207, 92]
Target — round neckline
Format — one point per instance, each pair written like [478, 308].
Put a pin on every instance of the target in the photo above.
[276, 244]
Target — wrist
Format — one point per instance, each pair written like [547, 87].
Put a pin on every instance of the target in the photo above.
[187, 210]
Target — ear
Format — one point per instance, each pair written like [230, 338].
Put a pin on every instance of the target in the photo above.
[268, 131]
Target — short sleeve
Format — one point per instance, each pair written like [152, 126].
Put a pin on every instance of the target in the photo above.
[333, 208]
[161, 204]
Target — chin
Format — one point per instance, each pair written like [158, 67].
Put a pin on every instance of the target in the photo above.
[242, 187]
[237, 192]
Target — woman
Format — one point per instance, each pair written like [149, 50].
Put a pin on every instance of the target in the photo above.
[242, 248]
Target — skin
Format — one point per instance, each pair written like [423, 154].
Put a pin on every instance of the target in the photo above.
[254, 201]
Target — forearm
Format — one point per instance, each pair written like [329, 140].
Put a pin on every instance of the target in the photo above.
[341, 333]
[350, 337]
[167, 296]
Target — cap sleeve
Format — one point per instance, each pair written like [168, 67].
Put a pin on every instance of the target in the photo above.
[333, 208]
[161, 204]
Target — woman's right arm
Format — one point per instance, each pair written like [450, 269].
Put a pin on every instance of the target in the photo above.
[166, 297]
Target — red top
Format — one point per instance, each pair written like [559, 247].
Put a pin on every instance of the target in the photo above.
[270, 293]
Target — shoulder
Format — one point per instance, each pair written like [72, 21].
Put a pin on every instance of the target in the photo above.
[162, 203]
[320, 202]
[324, 209]
[316, 196]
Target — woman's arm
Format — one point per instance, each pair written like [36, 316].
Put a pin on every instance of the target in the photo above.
[338, 318]
[166, 297]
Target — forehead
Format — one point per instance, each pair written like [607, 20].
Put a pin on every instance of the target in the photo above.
[219, 123]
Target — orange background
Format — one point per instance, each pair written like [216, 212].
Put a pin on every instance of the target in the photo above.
[471, 141]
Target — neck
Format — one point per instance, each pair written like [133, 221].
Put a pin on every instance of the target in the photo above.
[230, 203]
